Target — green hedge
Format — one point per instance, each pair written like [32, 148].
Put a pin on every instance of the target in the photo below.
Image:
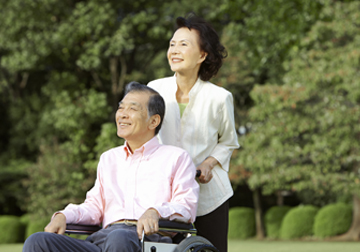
[298, 222]
[333, 219]
[11, 229]
[273, 219]
[35, 226]
[241, 223]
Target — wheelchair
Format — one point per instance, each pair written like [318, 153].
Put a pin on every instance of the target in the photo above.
[185, 239]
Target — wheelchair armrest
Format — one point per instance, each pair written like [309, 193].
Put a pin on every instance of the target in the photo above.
[164, 225]
[175, 226]
[81, 229]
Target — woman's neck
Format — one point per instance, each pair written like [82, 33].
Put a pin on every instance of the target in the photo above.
[185, 84]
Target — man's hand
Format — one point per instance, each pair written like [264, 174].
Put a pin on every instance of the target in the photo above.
[57, 224]
[149, 222]
[205, 167]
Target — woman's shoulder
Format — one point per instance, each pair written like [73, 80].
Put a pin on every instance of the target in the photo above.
[216, 91]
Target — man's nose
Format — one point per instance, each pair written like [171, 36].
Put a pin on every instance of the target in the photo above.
[124, 114]
[121, 115]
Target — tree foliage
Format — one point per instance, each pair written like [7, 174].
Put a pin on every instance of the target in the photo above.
[64, 64]
[63, 67]
[305, 133]
[259, 36]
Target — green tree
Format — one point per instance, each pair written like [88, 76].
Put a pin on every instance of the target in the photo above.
[63, 67]
[258, 36]
[305, 133]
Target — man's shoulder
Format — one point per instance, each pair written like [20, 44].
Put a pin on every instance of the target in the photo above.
[113, 151]
[174, 150]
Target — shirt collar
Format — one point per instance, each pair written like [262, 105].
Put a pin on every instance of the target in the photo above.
[146, 150]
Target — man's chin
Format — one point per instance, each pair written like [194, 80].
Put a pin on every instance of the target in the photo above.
[121, 135]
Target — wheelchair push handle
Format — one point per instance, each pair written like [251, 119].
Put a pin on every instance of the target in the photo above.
[198, 173]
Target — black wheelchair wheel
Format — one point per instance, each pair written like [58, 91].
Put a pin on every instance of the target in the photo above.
[195, 244]
[205, 248]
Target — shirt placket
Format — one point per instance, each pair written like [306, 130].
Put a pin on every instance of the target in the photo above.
[131, 185]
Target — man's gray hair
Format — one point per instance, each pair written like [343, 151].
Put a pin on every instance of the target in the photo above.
[156, 105]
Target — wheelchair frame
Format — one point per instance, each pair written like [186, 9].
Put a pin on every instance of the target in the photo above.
[190, 243]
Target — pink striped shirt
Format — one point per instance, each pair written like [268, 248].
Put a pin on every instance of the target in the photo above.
[154, 176]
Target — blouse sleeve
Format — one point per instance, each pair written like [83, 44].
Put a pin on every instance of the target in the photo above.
[227, 138]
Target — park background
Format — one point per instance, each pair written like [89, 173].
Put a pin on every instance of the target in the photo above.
[292, 67]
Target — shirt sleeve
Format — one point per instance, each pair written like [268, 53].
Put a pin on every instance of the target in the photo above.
[91, 211]
[185, 192]
[227, 137]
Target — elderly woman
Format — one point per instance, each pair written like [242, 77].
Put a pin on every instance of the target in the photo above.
[199, 117]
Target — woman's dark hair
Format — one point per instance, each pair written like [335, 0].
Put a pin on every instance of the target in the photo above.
[156, 105]
[209, 42]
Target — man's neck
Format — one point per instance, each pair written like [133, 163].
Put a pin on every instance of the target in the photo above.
[133, 145]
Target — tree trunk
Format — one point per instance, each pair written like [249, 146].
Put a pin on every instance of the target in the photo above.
[96, 78]
[25, 77]
[279, 198]
[353, 234]
[260, 233]
[117, 79]
[123, 72]
[113, 65]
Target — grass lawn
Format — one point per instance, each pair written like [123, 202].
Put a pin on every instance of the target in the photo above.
[11, 247]
[262, 246]
[293, 246]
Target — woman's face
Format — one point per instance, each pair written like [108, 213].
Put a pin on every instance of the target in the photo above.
[184, 53]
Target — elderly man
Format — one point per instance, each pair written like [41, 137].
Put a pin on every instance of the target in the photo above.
[136, 184]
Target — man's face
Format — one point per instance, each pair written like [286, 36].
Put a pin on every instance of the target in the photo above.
[132, 118]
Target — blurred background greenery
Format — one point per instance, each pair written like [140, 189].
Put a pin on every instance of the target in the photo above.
[292, 67]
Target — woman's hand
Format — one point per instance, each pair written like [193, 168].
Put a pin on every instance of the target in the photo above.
[206, 169]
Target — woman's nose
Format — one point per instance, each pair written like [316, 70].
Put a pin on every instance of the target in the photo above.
[174, 49]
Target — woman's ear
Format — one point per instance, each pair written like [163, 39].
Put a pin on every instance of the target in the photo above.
[203, 56]
[154, 121]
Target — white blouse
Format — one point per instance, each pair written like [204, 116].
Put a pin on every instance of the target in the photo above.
[206, 128]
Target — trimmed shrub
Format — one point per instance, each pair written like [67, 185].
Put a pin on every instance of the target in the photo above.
[25, 219]
[241, 223]
[11, 229]
[35, 226]
[272, 220]
[333, 219]
[298, 222]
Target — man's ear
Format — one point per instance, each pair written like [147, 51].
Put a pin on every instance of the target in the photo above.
[154, 121]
